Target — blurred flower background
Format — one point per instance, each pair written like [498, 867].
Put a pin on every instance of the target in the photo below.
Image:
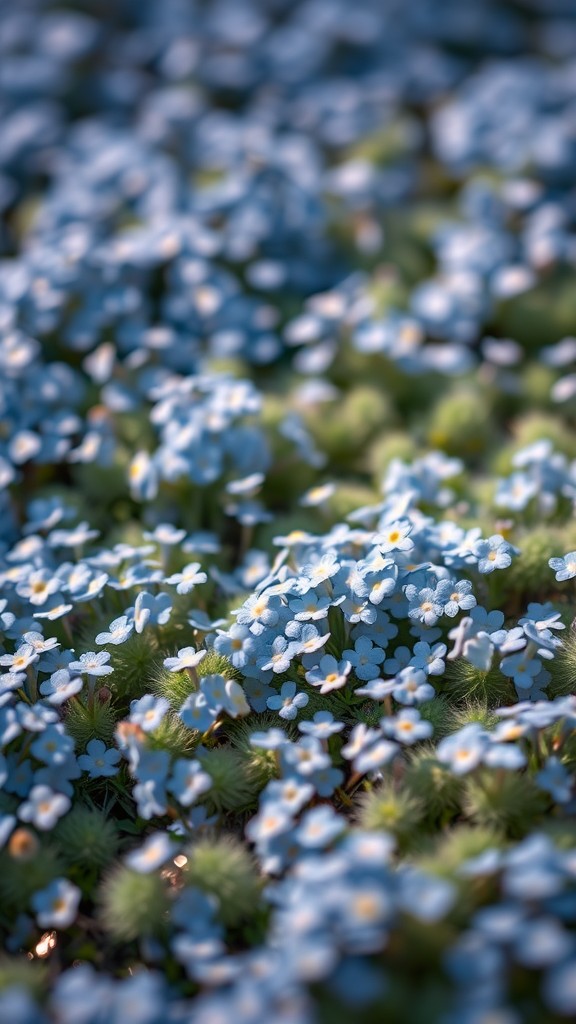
[287, 496]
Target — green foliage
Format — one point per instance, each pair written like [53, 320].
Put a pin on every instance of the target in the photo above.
[174, 686]
[234, 786]
[134, 663]
[463, 682]
[391, 809]
[344, 427]
[87, 837]
[390, 445]
[349, 496]
[561, 832]
[432, 783]
[528, 428]
[217, 664]
[505, 801]
[472, 711]
[261, 765]
[461, 423]
[444, 854]
[305, 520]
[222, 867]
[563, 667]
[438, 712]
[530, 573]
[172, 735]
[541, 315]
[20, 878]
[17, 972]
[132, 905]
[85, 723]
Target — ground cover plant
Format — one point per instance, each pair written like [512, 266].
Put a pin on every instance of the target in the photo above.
[287, 495]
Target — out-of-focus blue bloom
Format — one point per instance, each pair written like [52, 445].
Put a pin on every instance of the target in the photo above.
[43, 807]
[56, 905]
[99, 760]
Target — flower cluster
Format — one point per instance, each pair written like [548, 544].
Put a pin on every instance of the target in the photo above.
[287, 497]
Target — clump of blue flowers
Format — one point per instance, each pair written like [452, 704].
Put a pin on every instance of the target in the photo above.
[287, 496]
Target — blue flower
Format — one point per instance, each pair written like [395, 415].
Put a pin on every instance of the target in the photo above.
[188, 657]
[259, 611]
[7, 823]
[165, 534]
[407, 727]
[40, 645]
[150, 609]
[92, 664]
[148, 711]
[365, 913]
[39, 586]
[197, 713]
[188, 578]
[154, 852]
[60, 687]
[270, 821]
[411, 687]
[425, 605]
[43, 807]
[377, 580]
[323, 568]
[322, 725]
[188, 781]
[365, 658]
[493, 553]
[504, 755]
[326, 780]
[56, 906]
[559, 987]
[195, 911]
[288, 702]
[319, 827]
[375, 756]
[279, 655]
[20, 775]
[455, 596]
[395, 537]
[555, 780]
[400, 659]
[377, 689]
[143, 477]
[429, 659]
[463, 750]
[361, 738]
[543, 942]
[424, 897]
[237, 644]
[304, 757]
[257, 693]
[273, 739]
[99, 760]
[565, 567]
[291, 794]
[118, 632]
[307, 637]
[312, 606]
[53, 745]
[380, 631]
[522, 668]
[358, 610]
[329, 674]
[19, 662]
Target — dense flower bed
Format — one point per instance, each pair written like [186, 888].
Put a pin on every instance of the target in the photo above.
[287, 493]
